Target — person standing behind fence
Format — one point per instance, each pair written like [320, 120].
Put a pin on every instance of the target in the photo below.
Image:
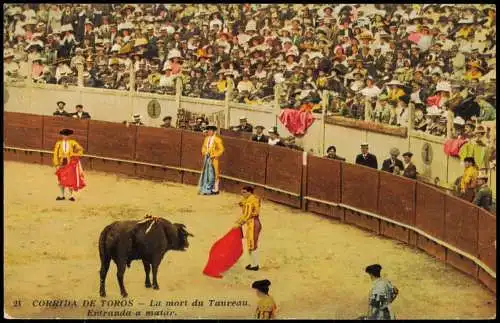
[390, 163]
[259, 135]
[410, 170]
[365, 158]
[66, 159]
[332, 154]
[468, 181]
[80, 114]
[212, 149]
[60, 110]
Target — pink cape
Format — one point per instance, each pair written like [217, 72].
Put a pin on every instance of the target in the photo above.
[224, 253]
[452, 146]
[296, 121]
[71, 175]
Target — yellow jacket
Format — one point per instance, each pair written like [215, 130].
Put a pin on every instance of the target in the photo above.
[250, 207]
[468, 178]
[470, 75]
[73, 149]
[221, 86]
[395, 94]
[266, 308]
[216, 148]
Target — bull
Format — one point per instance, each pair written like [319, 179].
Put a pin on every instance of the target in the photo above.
[148, 240]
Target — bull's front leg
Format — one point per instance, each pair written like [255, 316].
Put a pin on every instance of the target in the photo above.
[147, 269]
[119, 275]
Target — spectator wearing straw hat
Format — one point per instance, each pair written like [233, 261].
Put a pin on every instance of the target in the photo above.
[274, 138]
[9, 66]
[137, 120]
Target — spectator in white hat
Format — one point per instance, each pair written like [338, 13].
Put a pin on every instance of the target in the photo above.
[137, 120]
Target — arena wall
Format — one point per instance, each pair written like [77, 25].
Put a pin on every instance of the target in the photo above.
[117, 106]
[450, 229]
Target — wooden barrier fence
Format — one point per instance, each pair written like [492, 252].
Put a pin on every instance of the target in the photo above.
[452, 230]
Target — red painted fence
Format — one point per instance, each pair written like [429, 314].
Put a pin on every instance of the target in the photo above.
[441, 225]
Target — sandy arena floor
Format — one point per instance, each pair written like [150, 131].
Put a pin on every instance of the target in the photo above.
[316, 265]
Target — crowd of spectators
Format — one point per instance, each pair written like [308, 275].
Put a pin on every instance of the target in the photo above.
[372, 60]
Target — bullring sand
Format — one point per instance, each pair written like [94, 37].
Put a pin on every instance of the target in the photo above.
[316, 265]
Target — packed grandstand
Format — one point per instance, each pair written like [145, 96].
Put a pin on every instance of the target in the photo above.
[373, 60]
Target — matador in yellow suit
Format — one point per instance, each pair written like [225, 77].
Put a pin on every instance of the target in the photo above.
[212, 150]
[66, 159]
[266, 308]
[250, 218]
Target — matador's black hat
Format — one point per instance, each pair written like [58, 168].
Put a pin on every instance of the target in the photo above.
[214, 128]
[262, 285]
[66, 132]
[374, 270]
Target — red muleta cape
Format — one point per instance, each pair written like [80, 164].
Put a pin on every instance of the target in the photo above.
[71, 175]
[224, 253]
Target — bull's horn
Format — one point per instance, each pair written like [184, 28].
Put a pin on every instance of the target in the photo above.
[190, 234]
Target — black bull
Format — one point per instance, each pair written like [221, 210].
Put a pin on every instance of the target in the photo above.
[148, 240]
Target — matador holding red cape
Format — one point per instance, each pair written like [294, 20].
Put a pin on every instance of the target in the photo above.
[66, 159]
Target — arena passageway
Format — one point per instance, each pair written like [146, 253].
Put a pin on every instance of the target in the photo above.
[316, 265]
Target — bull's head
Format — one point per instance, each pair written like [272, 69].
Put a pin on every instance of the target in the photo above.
[183, 235]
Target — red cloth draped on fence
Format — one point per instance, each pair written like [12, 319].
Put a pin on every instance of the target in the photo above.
[296, 121]
[71, 175]
[452, 146]
[224, 253]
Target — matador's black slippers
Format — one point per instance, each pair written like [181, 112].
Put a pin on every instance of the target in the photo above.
[252, 268]
[72, 199]
[60, 198]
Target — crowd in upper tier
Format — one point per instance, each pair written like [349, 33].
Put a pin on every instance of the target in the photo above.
[373, 60]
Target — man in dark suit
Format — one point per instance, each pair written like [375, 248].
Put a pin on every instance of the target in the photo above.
[365, 158]
[410, 170]
[389, 164]
[60, 110]
[80, 114]
[167, 122]
[244, 126]
[332, 154]
[259, 135]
